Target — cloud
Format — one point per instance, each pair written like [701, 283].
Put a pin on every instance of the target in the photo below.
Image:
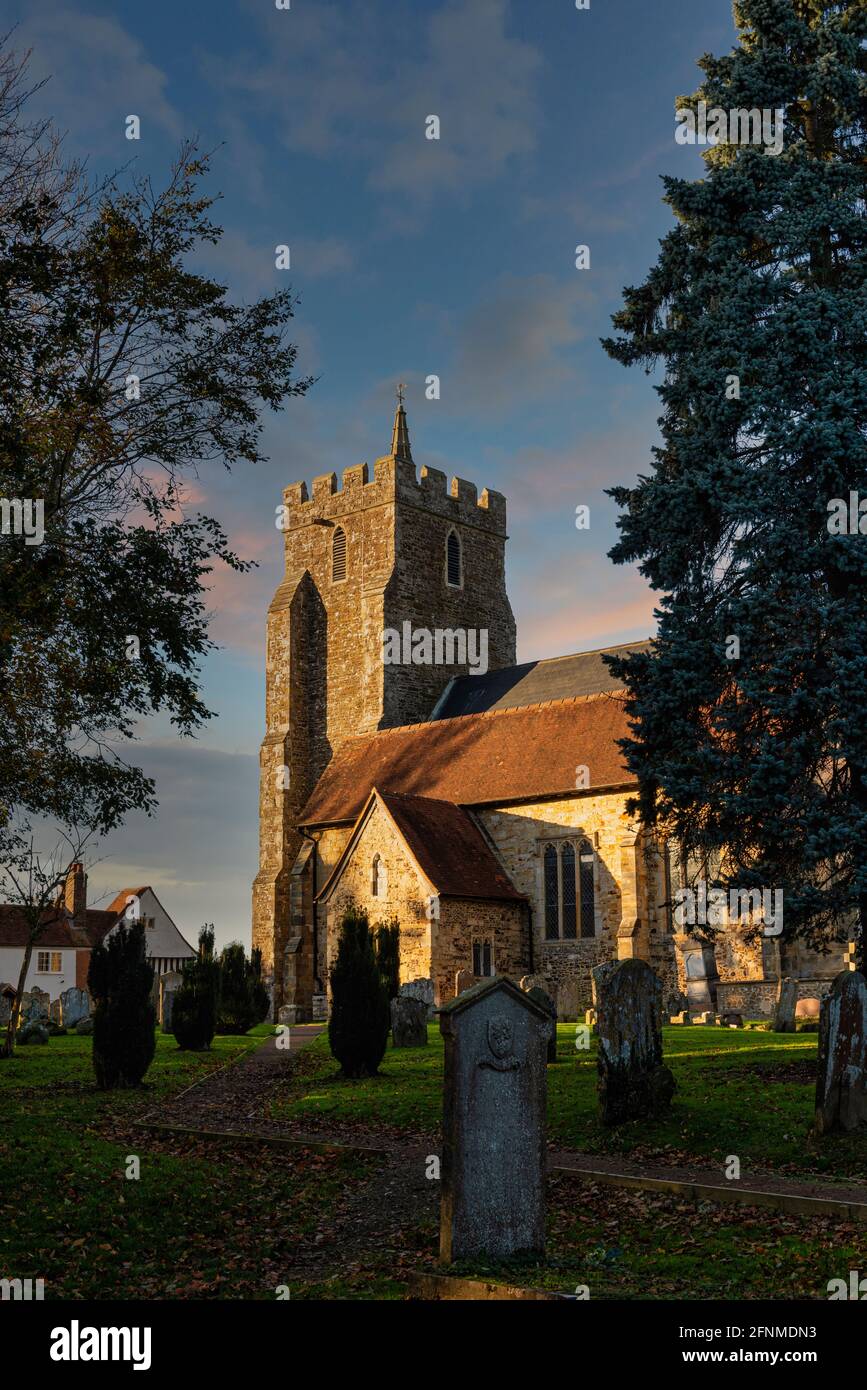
[346, 81]
[509, 347]
[199, 851]
[98, 75]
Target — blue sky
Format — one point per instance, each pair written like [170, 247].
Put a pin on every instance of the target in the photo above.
[411, 257]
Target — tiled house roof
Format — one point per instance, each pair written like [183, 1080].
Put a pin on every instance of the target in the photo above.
[527, 754]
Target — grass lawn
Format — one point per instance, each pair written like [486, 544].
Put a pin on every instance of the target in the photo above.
[198, 1222]
[739, 1092]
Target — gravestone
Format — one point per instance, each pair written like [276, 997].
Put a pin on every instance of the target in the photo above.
[732, 1020]
[544, 1000]
[319, 1010]
[464, 979]
[5, 1004]
[674, 1003]
[494, 1098]
[683, 1018]
[590, 1018]
[841, 1085]
[170, 983]
[598, 975]
[38, 1004]
[55, 1011]
[408, 1022]
[75, 1005]
[633, 1081]
[420, 989]
[33, 1032]
[706, 1018]
[808, 1008]
[290, 1014]
[784, 1009]
[568, 1001]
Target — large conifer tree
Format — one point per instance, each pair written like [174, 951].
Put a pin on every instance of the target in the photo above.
[757, 310]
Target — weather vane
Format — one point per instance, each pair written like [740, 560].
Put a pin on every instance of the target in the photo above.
[401, 387]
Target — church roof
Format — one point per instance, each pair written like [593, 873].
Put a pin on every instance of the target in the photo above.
[556, 678]
[446, 844]
[531, 753]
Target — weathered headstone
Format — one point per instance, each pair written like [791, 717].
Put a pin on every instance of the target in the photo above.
[408, 1022]
[682, 1018]
[598, 975]
[590, 1018]
[5, 1008]
[784, 1009]
[706, 1018]
[33, 1032]
[319, 1009]
[170, 983]
[290, 1014]
[544, 1000]
[55, 1011]
[464, 979]
[494, 1098]
[732, 1020]
[841, 1085]
[674, 1002]
[35, 1004]
[633, 1081]
[568, 1001]
[75, 1005]
[808, 1008]
[420, 989]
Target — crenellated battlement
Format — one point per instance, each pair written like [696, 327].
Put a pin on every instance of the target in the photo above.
[394, 480]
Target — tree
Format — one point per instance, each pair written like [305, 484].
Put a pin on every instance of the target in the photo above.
[32, 882]
[120, 979]
[194, 1013]
[360, 1017]
[386, 944]
[748, 711]
[121, 370]
[244, 1000]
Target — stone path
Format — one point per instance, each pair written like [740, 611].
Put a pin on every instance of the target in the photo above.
[235, 1101]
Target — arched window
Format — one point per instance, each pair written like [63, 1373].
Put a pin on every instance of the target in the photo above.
[552, 894]
[338, 555]
[569, 891]
[454, 571]
[569, 916]
[588, 914]
[376, 877]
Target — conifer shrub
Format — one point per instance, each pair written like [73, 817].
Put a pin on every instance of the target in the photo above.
[120, 981]
[194, 1015]
[360, 1017]
[244, 1000]
[386, 944]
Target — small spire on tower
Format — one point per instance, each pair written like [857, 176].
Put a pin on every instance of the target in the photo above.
[400, 447]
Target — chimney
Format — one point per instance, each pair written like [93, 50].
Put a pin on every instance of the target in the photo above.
[75, 895]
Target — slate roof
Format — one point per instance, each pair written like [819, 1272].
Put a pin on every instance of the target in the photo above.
[526, 754]
[445, 843]
[535, 682]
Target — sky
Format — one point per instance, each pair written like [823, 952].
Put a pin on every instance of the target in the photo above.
[411, 257]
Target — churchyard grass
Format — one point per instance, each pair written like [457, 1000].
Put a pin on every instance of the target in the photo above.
[198, 1222]
[741, 1092]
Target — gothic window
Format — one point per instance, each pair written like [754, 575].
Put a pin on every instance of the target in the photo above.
[454, 569]
[588, 912]
[552, 894]
[377, 886]
[338, 555]
[569, 891]
[483, 963]
[568, 916]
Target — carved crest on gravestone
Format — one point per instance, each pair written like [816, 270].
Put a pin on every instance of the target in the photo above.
[501, 1042]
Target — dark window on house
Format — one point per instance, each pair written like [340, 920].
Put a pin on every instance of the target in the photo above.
[482, 958]
[552, 894]
[375, 877]
[338, 555]
[453, 560]
[569, 916]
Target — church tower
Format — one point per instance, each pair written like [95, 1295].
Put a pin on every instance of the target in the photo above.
[369, 557]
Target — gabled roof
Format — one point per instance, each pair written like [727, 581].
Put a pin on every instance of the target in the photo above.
[533, 683]
[445, 843]
[526, 754]
[57, 931]
[118, 905]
